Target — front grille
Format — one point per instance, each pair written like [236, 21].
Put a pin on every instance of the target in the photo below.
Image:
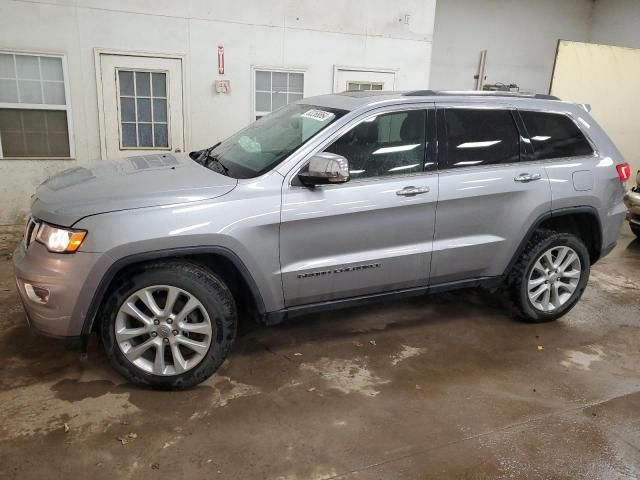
[31, 231]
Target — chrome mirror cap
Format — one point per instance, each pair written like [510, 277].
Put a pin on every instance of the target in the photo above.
[325, 168]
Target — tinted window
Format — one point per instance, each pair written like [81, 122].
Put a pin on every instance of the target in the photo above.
[555, 136]
[481, 137]
[388, 144]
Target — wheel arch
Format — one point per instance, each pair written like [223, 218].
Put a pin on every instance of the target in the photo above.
[582, 221]
[221, 260]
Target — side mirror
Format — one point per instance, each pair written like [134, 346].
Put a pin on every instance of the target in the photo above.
[325, 168]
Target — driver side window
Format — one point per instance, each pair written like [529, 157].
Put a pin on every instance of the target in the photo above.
[386, 144]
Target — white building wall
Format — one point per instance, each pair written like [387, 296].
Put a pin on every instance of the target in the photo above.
[616, 22]
[309, 34]
[520, 36]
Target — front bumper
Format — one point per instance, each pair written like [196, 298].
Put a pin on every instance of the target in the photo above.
[632, 202]
[64, 276]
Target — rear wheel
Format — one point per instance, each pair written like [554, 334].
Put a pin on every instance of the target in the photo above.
[550, 276]
[169, 326]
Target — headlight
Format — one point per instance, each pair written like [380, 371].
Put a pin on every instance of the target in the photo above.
[60, 240]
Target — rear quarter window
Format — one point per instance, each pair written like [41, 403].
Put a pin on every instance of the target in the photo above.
[554, 135]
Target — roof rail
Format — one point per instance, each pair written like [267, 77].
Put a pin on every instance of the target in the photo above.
[443, 93]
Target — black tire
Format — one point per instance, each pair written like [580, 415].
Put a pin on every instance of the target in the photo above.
[635, 229]
[210, 291]
[517, 280]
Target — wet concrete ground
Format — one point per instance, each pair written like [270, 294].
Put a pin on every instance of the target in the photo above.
[445, 386]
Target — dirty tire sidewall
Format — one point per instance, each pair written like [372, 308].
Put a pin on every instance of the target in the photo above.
[540, 242]
[210, 290]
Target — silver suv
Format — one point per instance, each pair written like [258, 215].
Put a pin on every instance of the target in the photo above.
[328, 202]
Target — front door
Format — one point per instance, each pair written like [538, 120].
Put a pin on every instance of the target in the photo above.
[141, 105]
[372, 234]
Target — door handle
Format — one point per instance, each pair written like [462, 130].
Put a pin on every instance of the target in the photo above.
[527, 177]
[411, 191]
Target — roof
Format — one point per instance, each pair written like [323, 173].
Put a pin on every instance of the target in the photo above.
[444, 93]
[351, 100]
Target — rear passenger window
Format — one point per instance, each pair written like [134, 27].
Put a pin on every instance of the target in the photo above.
[481, 137]
[555, 136]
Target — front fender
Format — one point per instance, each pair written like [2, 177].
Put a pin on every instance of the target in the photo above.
[92, 294]
[243, 226]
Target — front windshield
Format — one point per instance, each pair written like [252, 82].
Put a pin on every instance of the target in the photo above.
[265, 143]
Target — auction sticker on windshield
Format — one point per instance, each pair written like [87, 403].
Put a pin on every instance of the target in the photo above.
[319, 115]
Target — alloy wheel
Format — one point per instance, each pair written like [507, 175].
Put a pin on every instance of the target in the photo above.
[163, 330]
[553, 279]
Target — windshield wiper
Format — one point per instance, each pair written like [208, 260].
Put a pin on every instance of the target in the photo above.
[209, 159]
[205, 158]
[201, 155]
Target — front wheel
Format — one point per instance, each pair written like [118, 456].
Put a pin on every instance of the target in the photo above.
[550, 276]
[169, 326]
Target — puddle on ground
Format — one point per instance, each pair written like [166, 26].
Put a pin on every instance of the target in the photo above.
[613, 283]
[583, 360]
[347, 376]
[406, 352]
[224, 391]
[35, 409]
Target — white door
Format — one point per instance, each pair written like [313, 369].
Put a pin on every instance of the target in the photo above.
[352, 79]
[141, 105]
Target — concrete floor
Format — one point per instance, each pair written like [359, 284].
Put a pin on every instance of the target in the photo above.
[444, 386]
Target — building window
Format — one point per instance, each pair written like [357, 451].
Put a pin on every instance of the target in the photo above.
[275, 89]
[35, 114]
[364, 85]
[143, 109]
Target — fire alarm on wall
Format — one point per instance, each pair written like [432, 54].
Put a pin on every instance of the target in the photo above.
[223, 86]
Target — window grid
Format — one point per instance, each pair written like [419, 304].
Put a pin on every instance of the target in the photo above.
[297, 93]
[21, 105]
[151, 97]
[25, 130]
[42, 81]
[365, 85]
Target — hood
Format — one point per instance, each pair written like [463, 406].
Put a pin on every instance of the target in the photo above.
[126, 183]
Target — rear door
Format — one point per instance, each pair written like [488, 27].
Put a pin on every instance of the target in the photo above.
[374, 233]
[490, 191]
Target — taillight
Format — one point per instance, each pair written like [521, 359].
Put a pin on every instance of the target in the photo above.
[624, 171]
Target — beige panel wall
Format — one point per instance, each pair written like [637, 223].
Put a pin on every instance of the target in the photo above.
[608, 78]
